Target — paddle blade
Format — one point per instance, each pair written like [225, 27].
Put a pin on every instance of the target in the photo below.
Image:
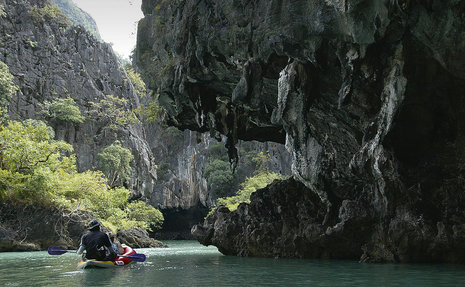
[137, 257]
[56, 250]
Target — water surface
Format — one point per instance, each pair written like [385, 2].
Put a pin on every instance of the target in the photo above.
[187, 263]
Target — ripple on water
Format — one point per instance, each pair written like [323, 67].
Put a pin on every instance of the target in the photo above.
[189, 264]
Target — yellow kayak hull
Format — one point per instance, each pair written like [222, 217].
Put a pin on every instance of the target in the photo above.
[95, 264]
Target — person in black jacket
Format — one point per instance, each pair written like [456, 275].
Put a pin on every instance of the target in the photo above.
[97, 244]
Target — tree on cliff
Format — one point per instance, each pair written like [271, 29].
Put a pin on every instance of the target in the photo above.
[63, 110]
[112, 111]
[35, 169]
[115, 162]
[219, 177]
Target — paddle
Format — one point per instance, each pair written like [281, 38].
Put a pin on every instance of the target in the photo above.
[57, 250]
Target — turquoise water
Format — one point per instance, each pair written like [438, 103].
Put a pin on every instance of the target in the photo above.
[187, 263]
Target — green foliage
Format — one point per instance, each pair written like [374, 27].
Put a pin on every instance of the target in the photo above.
[250, 185]
[7, 87]
[112, 207]
[261, 161]
[32, 44]
[219, 177]
[28, 158]
[2, 11]
[64, 110]
[136, 80]
[217, 151]
[26, 147]
[49, 12]
[78, 17]
[115, 163]
[262, 177]
[146, 215]
[35, 169]
[149, 111]
[112, 111]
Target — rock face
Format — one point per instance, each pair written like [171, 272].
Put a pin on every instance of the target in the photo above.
[367, 96]
[50, 60]
[28, 228]
[181, 189]
[78, 16]
[181, 158]
[137, 238]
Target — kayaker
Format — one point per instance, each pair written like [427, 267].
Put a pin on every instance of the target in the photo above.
[96, 243]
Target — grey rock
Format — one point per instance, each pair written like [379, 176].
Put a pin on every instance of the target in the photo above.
[68, 61]
[367, 96]
[28, 228]
[137, 238]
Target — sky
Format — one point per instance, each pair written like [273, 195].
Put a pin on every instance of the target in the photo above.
[116, 21]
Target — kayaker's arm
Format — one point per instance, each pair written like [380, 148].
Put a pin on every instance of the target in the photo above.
[81, 249]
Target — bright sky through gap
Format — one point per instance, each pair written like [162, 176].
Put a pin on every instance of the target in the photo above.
[116, 21]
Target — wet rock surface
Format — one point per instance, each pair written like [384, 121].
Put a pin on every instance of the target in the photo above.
[137, 238]
[367, 96]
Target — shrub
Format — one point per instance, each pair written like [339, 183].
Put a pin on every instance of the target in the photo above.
[115, 163]
[136, 80]
[7, 87]
[112, 111]
[217, 151]
[145, 216]
[2, 11]
[262, 177]
[149, 112]
[64, 110]
[29, 159]
[261, 161]
[219, 177]
[249, 186]
[35, 169]
[47, 13]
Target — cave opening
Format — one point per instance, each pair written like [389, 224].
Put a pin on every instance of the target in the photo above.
[428, 136]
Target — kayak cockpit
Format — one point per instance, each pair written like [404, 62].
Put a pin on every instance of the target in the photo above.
[118, 262]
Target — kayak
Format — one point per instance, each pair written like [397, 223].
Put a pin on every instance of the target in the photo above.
[118, 262]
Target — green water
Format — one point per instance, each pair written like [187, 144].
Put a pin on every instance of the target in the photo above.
[187, 263]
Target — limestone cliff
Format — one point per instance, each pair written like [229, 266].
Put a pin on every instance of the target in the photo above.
[51, 59]
[181, 189]
[78, 16]
[367, 96]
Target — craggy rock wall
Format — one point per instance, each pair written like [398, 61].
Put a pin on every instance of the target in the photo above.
[367, 96]
[50, 60]
[181, 189]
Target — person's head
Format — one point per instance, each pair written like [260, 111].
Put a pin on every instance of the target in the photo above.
[112, 236]
[94, 225]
